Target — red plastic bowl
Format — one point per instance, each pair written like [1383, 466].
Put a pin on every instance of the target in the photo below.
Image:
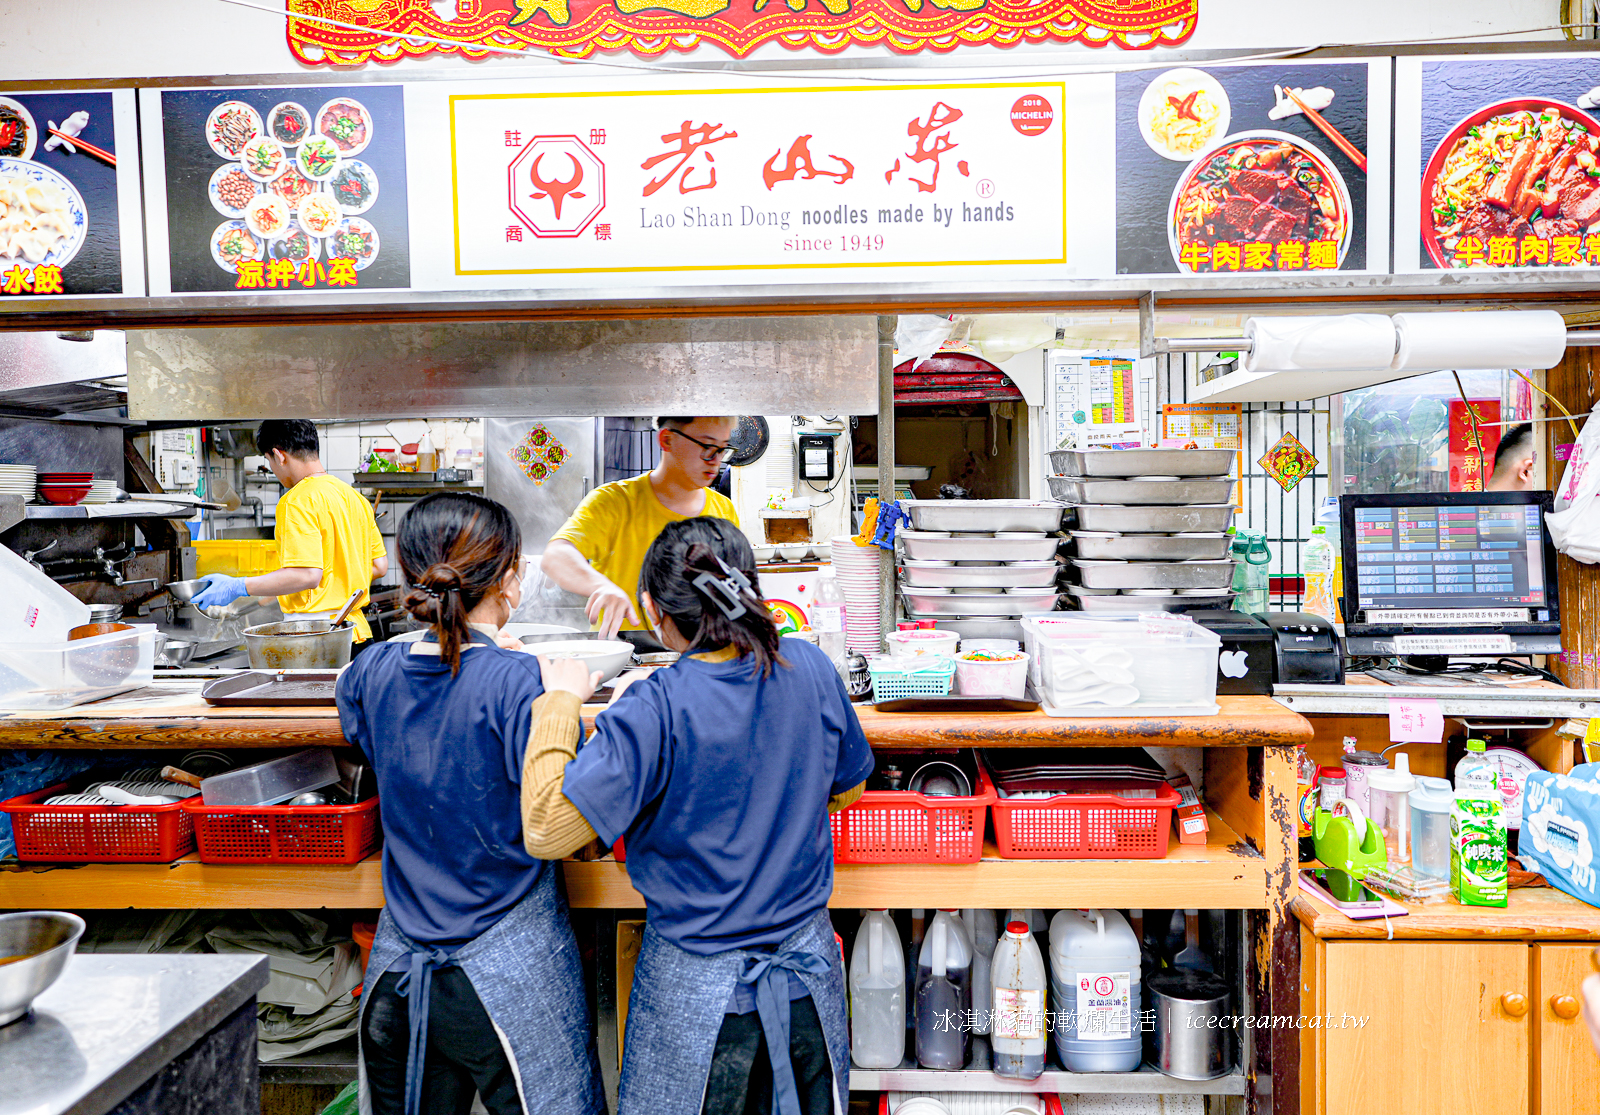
[66, 477]
[1430, 239]
[65, 495]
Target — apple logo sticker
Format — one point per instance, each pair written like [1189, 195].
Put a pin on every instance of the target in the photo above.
[1232, 663]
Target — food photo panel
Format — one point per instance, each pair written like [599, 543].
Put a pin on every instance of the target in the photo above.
[1229, 170]
[285, 189]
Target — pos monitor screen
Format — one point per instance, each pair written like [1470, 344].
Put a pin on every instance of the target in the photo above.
[1453, 573]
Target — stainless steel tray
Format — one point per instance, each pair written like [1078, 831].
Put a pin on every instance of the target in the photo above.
[1150, 547]
[1156, 574]
[1133, 605]
[257, 688]
[980, 627]
[1140, 492]
[1141, 462]
[984, 514]
[1154, 519]
[916, 575]
[993, 605]
[925, 547]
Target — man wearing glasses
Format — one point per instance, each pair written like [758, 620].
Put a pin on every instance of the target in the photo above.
[598, 552]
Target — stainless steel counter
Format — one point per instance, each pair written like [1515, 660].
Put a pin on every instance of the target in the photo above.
[113, 1022]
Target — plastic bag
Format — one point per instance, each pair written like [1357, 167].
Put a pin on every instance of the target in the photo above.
[1575, 522]
[1560, 828]
[919, 336]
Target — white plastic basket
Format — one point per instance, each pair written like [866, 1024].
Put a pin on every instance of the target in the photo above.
[992, 679]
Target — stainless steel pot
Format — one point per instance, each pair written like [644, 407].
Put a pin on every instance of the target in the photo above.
[300, 644]
[1194, 1036]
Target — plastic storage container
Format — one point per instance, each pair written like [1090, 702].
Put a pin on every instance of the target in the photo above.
[59, 675]
[913, 644]
[237, 557]
[1017, 979]
[898, 826]
[980, 677]
[1095, 983]
[983, 932]
[273, 781]
[97, 833]
[877, 994]
[944, 994]
[1169, 661]
[1430, 804]
[285, 833]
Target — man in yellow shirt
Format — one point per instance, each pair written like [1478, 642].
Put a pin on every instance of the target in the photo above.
[328, 541]
[599, 551]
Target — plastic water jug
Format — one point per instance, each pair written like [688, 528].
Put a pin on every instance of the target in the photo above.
[1018, 991]
[1096, 986]
[944, 994]
[1431, 803]
[983, 932]
[1389, 792]
[877, 994]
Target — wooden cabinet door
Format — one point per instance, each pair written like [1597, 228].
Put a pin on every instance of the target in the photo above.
[1566, 1072]
[1426, 1026]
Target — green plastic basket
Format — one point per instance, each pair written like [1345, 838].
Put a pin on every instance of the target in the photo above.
[897, 679]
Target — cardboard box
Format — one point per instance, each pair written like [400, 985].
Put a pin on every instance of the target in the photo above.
[1190, 817]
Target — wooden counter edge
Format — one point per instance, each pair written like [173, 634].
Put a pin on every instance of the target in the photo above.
[1246, 721]
[1562, 917]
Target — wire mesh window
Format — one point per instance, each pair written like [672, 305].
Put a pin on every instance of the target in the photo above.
[1284, 516]
[631, 448]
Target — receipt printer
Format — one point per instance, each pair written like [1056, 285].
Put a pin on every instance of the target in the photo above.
[1307, 649]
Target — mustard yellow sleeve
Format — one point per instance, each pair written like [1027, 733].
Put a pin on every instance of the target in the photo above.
[592, 527]
[552, 827]
[846, 799]
[299, 535]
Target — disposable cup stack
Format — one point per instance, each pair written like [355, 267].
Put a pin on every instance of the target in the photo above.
[856, 569]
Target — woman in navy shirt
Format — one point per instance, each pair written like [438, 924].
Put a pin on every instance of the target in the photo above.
[474, 983]
[721, 770]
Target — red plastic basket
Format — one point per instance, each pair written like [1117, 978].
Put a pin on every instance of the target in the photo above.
[1085, 826]
[285, 833]
[97, 833]
[898, 826]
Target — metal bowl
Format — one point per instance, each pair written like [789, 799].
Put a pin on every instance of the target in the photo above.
[34, 948]
[941, 780]
[178, 652]
[184, 591]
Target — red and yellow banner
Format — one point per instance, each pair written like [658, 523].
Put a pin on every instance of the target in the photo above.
[578, 28]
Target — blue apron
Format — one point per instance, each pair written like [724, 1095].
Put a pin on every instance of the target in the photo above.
[678, 1002]
[526, 971]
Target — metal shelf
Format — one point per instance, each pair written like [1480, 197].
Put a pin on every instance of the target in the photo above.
[134, 509]
[1146, 1080]
[331, 1064]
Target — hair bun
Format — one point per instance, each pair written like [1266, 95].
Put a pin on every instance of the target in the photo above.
[440, 577]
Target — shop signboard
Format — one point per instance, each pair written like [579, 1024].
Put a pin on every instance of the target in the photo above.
[1498, 159]
[69, 203]
[650, 28]
[722, 185]
[1253, 169]
[276, 189]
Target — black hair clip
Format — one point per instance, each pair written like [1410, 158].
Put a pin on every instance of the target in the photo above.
[724, 591]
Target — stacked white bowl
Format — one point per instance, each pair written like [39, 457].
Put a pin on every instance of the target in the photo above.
[856, 569]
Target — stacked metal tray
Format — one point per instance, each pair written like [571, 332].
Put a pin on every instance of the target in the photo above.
[980, 562]
[1150, 528]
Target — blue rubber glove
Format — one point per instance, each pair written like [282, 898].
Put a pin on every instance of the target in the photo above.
[220, 591]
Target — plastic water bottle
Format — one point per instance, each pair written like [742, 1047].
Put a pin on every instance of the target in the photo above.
[1238, 552]
[1018, 990]
[1474, 771]
[877, 994]
[1317, 562]
[827, 620]
[1257, 559]
[1096, 983]
[944, 994]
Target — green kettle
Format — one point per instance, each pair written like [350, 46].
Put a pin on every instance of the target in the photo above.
[1352, 843]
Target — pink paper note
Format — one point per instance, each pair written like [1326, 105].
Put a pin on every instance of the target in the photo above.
[1417, 720]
